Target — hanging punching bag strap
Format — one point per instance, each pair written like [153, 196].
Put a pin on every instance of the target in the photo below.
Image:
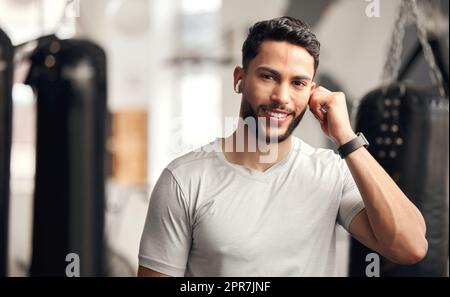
[435, 73]
[408, 12]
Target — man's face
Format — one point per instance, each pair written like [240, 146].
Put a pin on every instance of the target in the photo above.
[276, 87]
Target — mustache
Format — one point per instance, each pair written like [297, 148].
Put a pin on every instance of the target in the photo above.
[248, 111]
[278, 107]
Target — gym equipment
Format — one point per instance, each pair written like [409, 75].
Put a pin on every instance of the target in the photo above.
[69, 78]
[408, 128]
[6, 80]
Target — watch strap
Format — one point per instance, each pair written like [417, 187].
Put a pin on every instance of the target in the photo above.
[354, 144]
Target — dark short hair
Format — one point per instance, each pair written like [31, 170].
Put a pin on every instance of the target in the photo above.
[284, 28]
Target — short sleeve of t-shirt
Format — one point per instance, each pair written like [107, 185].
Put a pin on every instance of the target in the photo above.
[351, 201]
[166, 239]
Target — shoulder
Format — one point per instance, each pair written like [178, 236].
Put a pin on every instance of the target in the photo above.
[315, 153]
[192, 171]
[323, 158]
[194, 161]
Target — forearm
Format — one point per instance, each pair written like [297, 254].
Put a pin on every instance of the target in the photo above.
[396, 223]
[397, 228]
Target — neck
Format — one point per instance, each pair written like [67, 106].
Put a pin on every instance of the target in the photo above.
[239, 149]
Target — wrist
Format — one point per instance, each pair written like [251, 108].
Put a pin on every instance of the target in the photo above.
[344, 138]
[352, 145]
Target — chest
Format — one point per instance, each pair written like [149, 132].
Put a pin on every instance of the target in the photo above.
[263, 219]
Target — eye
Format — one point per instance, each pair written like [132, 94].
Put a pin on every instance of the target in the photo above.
[300, 83]
[267, 76]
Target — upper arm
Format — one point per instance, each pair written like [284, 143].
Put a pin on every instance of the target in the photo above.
[361, 230]
[351, 203]
[166, 237]
[146, 272]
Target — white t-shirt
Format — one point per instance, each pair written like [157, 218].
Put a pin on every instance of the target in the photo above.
[210, 217]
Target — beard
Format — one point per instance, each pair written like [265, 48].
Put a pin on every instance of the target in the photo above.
[249, 112]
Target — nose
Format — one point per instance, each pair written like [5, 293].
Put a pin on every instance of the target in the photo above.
[280, 95]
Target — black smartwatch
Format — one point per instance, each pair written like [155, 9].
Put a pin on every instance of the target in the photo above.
[354, 144]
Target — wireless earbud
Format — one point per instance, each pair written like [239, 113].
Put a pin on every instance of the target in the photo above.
[237, 88]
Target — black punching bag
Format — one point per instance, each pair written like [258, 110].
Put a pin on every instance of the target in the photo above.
[407, 127]
[69, 78]
[408, 131]
[6, 70]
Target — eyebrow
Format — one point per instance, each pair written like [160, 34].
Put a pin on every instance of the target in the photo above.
[276, 73]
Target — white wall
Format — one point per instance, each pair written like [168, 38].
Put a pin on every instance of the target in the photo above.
[354, 46]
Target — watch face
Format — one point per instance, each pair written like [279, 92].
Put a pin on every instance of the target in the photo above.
[366, 143]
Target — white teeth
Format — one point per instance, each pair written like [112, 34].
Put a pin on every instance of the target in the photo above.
[276, 115]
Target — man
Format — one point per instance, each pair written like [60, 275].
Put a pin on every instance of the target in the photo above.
[224, 212]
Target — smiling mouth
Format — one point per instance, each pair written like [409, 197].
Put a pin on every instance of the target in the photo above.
[275, 115]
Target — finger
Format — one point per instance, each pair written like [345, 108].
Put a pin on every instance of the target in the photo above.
[322, 112]
[322, 89]
[319, 104]
[317, 112]
[320, 117]
[316, 116]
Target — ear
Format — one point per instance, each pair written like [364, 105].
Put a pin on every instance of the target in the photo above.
[311, 90]
[238, 76]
